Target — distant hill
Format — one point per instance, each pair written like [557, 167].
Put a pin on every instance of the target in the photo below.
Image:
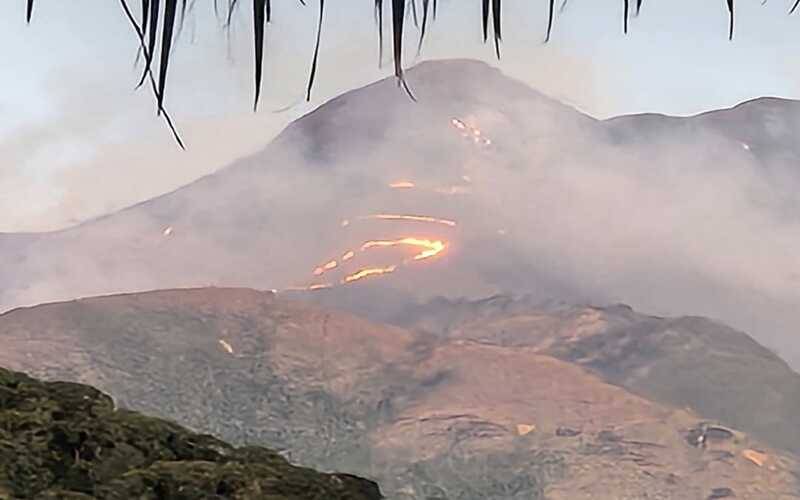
[674, 216]
[473, 400]
[63, 440]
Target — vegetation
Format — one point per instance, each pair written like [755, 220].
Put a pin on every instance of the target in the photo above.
[65, 440]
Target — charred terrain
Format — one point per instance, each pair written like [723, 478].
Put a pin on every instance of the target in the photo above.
[494, 399]
[512, 192]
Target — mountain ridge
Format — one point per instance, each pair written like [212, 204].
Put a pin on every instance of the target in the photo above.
[424, 415]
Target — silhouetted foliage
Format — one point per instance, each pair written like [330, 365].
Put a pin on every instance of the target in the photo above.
[152, 12]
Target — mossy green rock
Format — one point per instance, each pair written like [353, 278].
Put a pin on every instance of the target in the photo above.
[61, 440]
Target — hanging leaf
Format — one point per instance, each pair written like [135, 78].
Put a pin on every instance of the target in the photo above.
[625, 16]
[316, 51]
[259, 25]
[731, 15]
[379, 17]
[550, 20]
[170, 11]
[147, 55]
[422, 32]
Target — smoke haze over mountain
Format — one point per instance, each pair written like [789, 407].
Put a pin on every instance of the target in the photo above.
[672, 216]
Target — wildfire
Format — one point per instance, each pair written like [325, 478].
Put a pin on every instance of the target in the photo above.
[472, 133]
[326, 267]
[414, 218]
[402, 185]
[371, 271]
[429, 248]
[349, 255]
[321, 286]
[226, 346]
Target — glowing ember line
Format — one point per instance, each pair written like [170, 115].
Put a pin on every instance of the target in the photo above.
[415, 218]
[402, 185]
[364, 273]
[431, 248]
[349, 255]
[326, 267]
[226, 346]
[321, 286]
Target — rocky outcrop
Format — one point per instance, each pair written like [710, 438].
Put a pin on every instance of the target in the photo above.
[66, 440]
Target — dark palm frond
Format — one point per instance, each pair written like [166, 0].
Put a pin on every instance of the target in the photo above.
[626, 8]
[498, 36]
[398, 23]
[731, 16]
[153, 25]
[148, 57]
[170, 11]
[259, 25]
[147, 32]
[492, 10]
[423, 30]
[316, 51]
[379, 20]
[414, 14]
[550, 14]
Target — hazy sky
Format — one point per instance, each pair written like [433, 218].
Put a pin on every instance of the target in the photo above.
[76, 141]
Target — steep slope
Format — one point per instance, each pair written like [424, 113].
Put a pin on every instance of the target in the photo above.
[686, 362]
[546, 201]
[447, 417]
[65, 440]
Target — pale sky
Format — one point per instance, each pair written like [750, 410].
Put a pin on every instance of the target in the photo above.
[76, 141]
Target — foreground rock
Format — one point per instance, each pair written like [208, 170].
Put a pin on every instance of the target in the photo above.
[66, 440]
[488, 410]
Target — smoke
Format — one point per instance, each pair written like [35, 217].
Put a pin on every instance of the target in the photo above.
[557, 205]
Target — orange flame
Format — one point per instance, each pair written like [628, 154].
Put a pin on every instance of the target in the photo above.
[326, 267]
[228, 348]
[430, 248]
[364, 273]
[402, 185]
[415, 218]
[321, 286]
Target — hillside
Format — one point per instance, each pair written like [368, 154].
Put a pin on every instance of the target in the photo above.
[672, 215]
[496, 405]
[63, 440]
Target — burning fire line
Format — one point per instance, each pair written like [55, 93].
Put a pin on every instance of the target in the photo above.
[470, 132]
[365, 273]
[414, 218]
[431, 248]
[325, 267]
[402, 185]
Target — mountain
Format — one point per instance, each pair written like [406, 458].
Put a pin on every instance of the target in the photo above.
[63, 440]
[675, 216]
[490, 399]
